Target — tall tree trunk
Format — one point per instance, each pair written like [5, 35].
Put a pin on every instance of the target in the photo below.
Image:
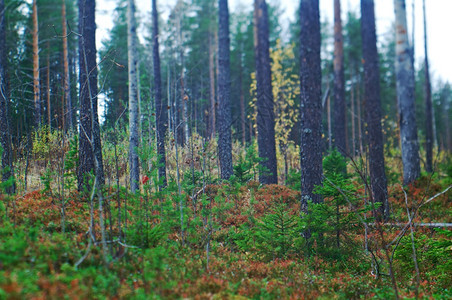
[224, 90]
[183, 96]
[170, 104]
[49, 112]
[242, 99]
[353, 116]
[372, 107]
[90, 148]
[67, 83]
[340, 140]
[134, 138]
[265, 106]
[36, 82]
[212, 110]
[359, 115]
[161, 121]
[446, 110]
[413, 23]
[5, 136]
[405, 97]
[311, 103]
[428, 103]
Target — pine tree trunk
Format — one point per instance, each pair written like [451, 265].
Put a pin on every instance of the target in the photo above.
[311, 106]
[428, 104]
[36, 81]
[161, 121]
[268, 174]
[5, 136]
[212, 110]
[353, 116]
[405, 97]
[67, 83]
[340, 140]
[49, 112]
[90, 148]
[224, 90]
[133, 98]
[359, 116]
[372, 107]
[242, 102]
[170, 103]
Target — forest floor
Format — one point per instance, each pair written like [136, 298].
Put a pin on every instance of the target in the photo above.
[238, 241]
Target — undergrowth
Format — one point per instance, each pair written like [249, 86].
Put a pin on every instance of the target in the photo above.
[203, 238]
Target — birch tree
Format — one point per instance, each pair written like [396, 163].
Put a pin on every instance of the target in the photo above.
[405, 97]
[134, 137]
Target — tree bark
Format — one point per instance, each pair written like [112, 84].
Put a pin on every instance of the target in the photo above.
[353, 116]
[242, 101]
[212, 110]
[49, 111]
[161, 121]
[90, 148]
[224, 90]
[311, 103]
[268, 174]
[5, 136]
[67, 82]
[428, 103]
[340, 140]
[133, 99]
[405, 97]
[372, 107]
[36, 81]
[183, 96]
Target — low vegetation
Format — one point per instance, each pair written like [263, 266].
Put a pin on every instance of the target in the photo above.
[222, 240]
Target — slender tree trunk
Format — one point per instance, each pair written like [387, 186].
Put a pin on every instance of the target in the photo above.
[5, 136]
[413, 22]
[242, 99]
[224, 90]
[133, 99]
[359, 116]
[140, 127]
[373, 107]
[405, 97]
[159, 104]
[340, 140]
[268, 174]
[183, 97]
[212, 110]
[49, 113]
[446, 111]
[184, 101]
[428, 103]
[168, 92]
[67, 82]
[311, 103]
[90, 148]
[353, 117]
[36, 81]
[328, 112]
